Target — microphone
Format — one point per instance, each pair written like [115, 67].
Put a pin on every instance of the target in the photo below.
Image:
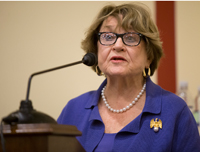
[26, 113]
[89, 59]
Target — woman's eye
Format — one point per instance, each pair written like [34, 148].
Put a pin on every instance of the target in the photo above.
[130, 39]
[109, 37]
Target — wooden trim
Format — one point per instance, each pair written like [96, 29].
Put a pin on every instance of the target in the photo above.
[165, 18]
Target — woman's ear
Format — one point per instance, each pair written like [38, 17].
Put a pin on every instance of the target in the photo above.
[148, 63]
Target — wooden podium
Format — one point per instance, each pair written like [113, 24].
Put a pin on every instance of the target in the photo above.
[41, 138]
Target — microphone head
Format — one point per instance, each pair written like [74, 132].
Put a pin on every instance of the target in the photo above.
[89, 59]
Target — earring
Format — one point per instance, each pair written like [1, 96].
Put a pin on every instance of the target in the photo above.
[149, 72]
[146, 71]
[98, 71]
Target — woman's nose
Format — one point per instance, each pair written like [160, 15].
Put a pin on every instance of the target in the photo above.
[119, 45]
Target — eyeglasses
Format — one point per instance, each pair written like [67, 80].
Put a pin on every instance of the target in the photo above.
[110, 38]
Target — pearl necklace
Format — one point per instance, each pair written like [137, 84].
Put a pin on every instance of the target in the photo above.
[127, 107]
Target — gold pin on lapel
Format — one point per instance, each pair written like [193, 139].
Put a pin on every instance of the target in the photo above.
[156, 124]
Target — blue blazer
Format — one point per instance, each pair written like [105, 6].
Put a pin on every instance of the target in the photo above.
[179, 131]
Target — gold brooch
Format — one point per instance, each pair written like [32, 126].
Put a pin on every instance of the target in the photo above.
[156, 124]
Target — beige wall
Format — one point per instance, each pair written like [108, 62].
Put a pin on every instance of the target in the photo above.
[188, 44]
[39, 35]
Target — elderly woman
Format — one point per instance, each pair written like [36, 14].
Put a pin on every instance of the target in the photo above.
[129, 112]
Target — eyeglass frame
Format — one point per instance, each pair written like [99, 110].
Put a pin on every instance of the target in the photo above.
[121, 36]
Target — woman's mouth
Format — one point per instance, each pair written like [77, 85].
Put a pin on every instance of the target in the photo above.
[117, 59]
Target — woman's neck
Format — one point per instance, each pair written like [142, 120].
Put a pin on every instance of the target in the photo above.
[123, 89]
[123, 84]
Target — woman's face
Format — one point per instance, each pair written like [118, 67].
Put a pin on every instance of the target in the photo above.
[119, 59]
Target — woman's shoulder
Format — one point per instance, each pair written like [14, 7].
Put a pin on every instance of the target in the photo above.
[172, 98]
[173, 103]
[75, 108]
[82, 99]
[166, 98]
[80, 107]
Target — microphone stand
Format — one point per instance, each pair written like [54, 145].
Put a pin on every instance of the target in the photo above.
[26, 113]
[45, 71]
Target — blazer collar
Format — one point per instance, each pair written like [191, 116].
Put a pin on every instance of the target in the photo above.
[153, 97]
[93, 101]
[152, 105]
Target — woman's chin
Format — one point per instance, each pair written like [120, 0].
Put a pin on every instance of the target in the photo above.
[116, 73]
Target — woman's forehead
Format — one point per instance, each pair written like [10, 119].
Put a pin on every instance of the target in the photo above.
[110, 23]
[114, 24]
